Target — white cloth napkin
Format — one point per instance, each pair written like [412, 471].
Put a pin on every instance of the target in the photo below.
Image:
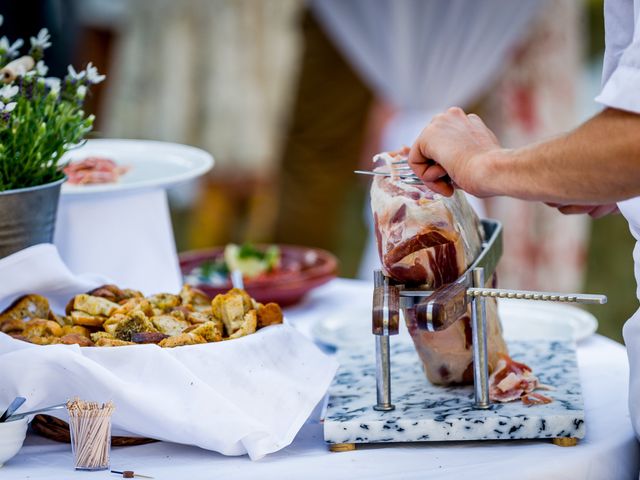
[127, 237]
[249, 395]
[39, 269]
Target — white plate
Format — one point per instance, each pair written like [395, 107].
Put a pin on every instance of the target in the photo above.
[152, 164]
[521, 320]
[524, 320]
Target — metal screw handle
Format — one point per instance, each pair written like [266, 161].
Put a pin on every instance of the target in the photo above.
[541, 296]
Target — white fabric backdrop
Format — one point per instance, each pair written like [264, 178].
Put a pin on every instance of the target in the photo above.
[424, 56]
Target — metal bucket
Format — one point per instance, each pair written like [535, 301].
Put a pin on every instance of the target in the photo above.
[28, 216]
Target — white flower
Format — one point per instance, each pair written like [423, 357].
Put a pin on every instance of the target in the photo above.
[9, 91]
[76, 75]
[81, 92]
[41, 68]
[11, 50]
[42, 40]
[7, 108]
[93, 76]
[53, 83]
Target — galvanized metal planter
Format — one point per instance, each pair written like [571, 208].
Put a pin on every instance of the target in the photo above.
[28, 216]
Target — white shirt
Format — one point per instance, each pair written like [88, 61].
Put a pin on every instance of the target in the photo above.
[621, 90]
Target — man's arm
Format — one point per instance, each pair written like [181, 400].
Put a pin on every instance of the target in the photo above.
[597, 163]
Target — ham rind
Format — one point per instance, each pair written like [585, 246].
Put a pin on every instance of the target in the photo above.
[425, 239]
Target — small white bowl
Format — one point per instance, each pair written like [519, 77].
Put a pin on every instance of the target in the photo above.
[12, 435]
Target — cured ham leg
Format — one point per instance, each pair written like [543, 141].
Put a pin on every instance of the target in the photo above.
[429, 240]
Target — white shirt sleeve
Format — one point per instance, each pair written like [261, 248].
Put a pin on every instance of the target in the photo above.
[621, 73]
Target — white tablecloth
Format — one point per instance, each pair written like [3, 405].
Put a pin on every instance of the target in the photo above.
[610, 450]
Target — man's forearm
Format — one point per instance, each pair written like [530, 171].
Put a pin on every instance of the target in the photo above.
[599, 162]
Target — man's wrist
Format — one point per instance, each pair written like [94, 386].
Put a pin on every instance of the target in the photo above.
[489, 169]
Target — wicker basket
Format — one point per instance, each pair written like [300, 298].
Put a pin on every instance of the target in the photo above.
[55, 429]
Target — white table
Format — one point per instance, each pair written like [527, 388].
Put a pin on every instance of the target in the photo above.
[609, 451]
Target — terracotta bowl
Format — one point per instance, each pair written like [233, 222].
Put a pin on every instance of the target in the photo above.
[304, 269]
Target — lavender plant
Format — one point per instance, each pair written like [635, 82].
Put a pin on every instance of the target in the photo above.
[41, 117]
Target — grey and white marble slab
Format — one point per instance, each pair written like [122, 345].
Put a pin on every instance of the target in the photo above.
[425, 412]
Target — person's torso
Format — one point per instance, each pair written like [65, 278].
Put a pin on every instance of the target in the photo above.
[621, 17]
[631, 211]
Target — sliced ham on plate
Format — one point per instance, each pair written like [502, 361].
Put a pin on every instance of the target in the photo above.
[93, 170]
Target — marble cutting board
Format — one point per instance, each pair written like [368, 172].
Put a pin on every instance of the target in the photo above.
[429, 413]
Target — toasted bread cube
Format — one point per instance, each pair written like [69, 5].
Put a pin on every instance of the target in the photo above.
[98, 335]
[112, 342]
[112, 322]
[269, 314]
[164, 301]
[45, 340]
[75, 330]
[110, 292]
[86, 319]
[12, 325]
[41, 328]
[136, 322]
[249, 325]
[169, 324]
[181, 340]
[94, 305]
[26, 308]
[230, 308]
[199, 317]
[210, 331]
[194, 297]
[74, 338]
[134, 304]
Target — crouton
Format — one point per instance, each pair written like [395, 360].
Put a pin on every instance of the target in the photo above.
[74, 338]
[181, 340]
[164, 301]
[169, 324]
[269, 314]
[75, 330]
[94, 305]
[86, 319]
[112, 342]
[26, 308]
[41, 328]
[249, 325]
[210, 331]
[136, 322]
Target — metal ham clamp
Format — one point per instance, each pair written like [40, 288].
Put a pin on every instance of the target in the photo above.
[439, 309]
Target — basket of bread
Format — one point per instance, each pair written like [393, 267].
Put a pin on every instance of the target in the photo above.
[109, 316]
[224, 373]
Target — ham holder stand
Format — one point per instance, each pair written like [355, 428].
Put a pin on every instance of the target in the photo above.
[421, 412]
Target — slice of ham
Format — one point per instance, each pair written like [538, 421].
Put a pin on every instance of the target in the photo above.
[94, 170]
[533, 398]
[513, 380]
[429, 240]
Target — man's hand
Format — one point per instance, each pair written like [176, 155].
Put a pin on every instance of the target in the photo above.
[594, 211]
[453, 144]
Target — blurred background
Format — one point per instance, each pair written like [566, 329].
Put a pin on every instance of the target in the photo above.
[291, 96]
